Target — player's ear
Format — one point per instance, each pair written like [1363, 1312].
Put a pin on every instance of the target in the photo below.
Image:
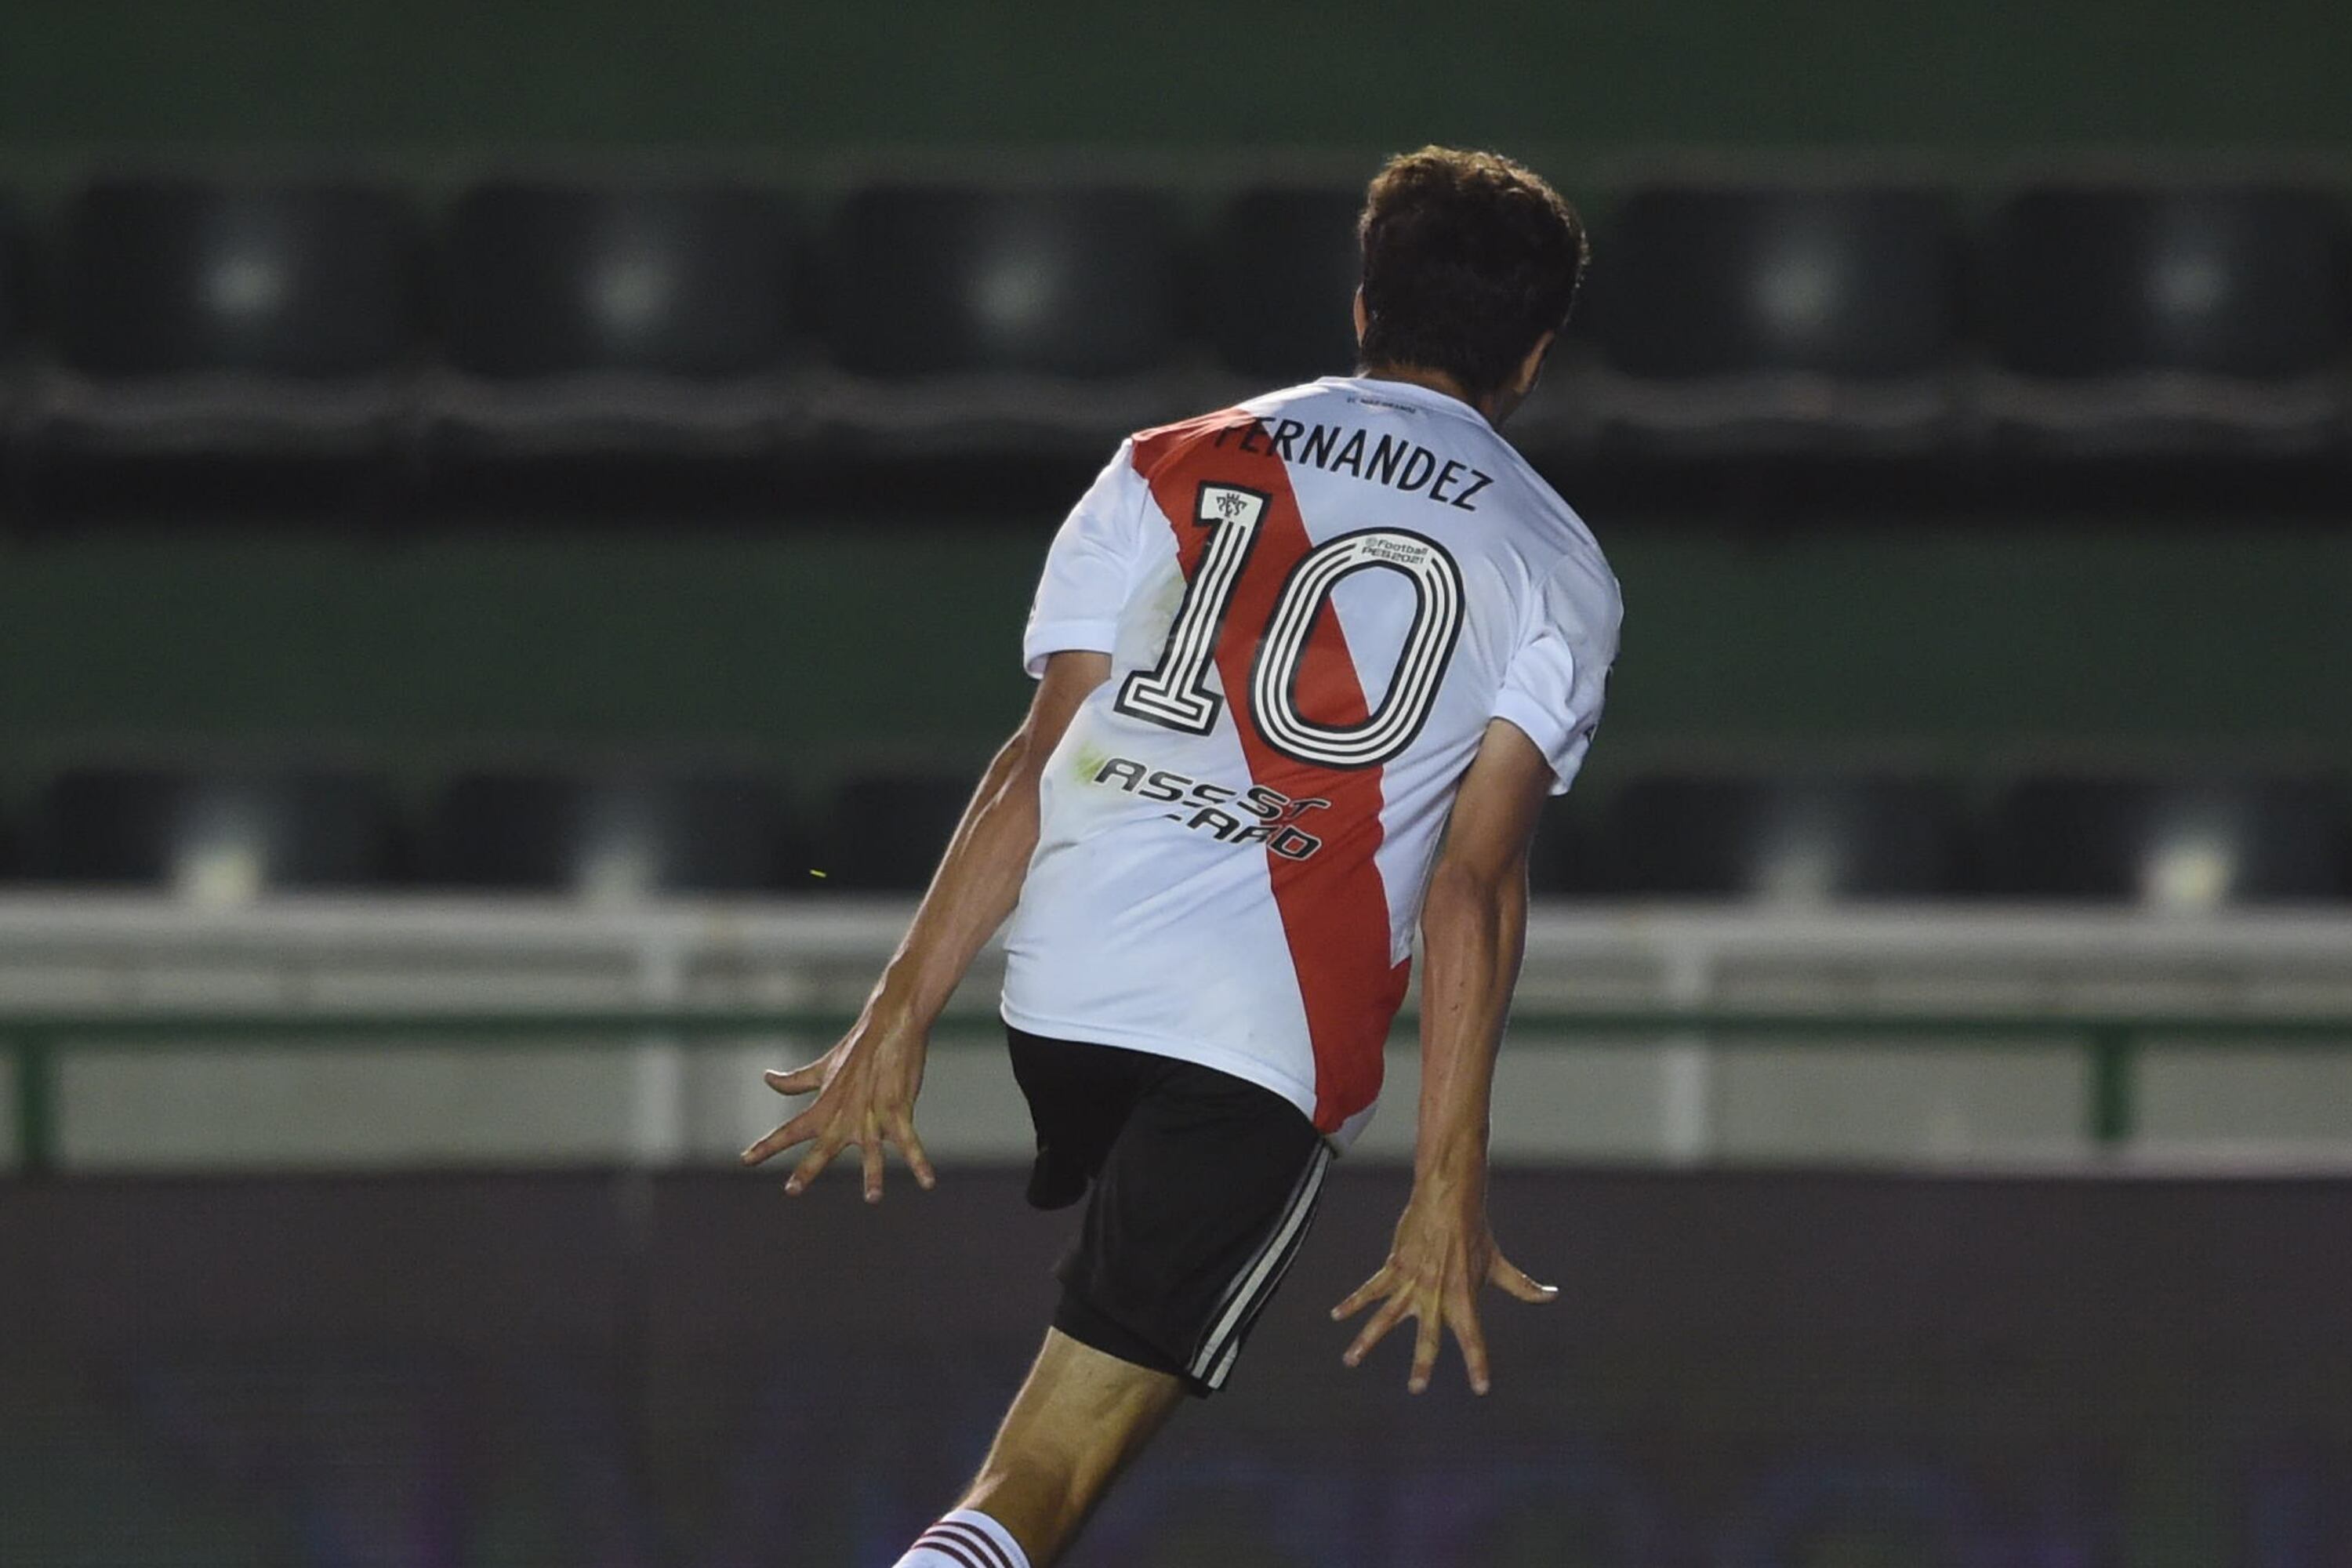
[1363, 317]
[1531, 367]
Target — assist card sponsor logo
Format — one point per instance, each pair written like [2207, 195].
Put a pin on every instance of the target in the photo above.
[1255, 815]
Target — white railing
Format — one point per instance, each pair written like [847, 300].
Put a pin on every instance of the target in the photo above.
[1685, 1097]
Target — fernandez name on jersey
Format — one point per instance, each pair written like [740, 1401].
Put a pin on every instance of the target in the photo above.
[1388, 460]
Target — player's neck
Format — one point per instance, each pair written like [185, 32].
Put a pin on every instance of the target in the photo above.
[1435, 380]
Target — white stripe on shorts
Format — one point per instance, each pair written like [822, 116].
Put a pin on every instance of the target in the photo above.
[1260, 1275]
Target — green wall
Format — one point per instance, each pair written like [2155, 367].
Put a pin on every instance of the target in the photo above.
[1951, 74]
[1956, 647]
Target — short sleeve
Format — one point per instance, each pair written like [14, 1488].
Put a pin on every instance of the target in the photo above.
[1090, 568]
[1553, 686]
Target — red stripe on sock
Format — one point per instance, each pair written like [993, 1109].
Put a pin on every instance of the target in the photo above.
[977, 1539]
[947, 1546]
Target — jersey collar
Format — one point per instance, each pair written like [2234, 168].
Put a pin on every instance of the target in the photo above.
[1409, 392]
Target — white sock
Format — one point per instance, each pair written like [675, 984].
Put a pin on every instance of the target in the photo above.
[965, 1539]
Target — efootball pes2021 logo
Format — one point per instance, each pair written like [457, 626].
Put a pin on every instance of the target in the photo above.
[1252, 815]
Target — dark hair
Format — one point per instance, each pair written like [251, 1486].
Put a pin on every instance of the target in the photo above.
[1468, 258]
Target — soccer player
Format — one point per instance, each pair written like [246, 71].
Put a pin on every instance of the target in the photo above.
[1307, 669]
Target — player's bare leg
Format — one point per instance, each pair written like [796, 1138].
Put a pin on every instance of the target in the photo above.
[1073, 1427]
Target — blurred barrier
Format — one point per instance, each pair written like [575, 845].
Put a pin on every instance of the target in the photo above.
[1644, 1032]
[2110, 1042]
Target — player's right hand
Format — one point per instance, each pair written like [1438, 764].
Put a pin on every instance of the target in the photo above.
[865, 1088]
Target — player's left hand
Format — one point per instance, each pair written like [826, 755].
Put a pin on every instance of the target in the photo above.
[1442, 1255]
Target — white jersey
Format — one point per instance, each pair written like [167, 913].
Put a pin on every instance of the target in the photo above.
[1314, 605]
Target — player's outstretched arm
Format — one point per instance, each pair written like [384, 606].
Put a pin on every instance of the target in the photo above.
[866, 1084]
[1474, 932]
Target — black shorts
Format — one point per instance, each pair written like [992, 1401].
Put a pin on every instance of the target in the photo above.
[1202, 1186]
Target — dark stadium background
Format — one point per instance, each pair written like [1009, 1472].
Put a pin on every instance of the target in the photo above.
[516, 517]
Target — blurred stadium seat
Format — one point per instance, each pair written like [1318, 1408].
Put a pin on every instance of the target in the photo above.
[214, 837]
[972, 316]
[890, 828]
[1793, 839]
[13, 274]
[615, 835]
[2183, 844]
[1281, 271]
[587, 320]
[1560, 859]
[2148, 318]
[245, 320]
[1743, 320]
[596, 323]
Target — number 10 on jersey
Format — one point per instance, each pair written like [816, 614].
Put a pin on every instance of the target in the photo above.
[1175, 691]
